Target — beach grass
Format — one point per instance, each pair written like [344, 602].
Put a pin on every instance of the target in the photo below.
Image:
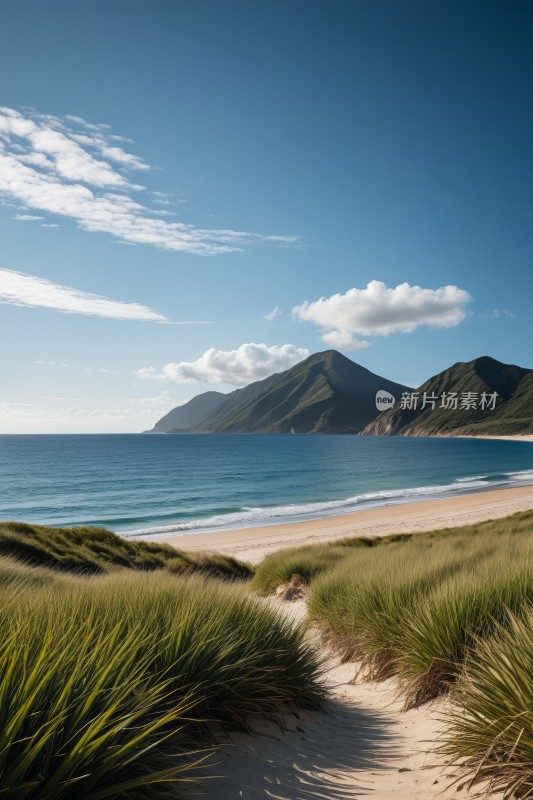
[97, 551]
[108, 684]
[110, 678]
[444, 612]
[443, 628]
[412, 606]
[490, 726]
[416, 608]
[311, 560]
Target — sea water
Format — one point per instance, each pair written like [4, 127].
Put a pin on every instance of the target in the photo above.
[163, 483]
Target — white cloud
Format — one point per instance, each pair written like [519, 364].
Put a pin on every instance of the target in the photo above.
[17, 288]
[344, 340]
[68, 167]
[379, 310]
[27, 217]
[276, 312]
[249, 362]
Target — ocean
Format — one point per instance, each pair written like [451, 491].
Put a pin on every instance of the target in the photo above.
[137, 484]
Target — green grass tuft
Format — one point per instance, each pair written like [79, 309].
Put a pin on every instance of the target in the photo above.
[97, 551]
[416, 607]
[313, 560]
[490, 727]
[106, 683]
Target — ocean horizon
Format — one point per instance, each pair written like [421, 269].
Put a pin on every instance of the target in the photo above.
[141, 485]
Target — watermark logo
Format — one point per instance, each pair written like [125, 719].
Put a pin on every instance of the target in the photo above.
[450, 401]
[384, 400]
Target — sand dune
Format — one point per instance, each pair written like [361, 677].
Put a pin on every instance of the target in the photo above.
[360, 746]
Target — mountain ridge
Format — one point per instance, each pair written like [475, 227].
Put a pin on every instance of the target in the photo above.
[329, 393]
[514, 388]
[324, 393]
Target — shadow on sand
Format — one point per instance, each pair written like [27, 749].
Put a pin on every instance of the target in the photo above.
[317, 758]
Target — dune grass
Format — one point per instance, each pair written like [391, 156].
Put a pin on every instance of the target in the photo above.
[98, 551]
[442, 628]
[311, 560]
[416, 608]
[107, 683]
[490, 728]
[413, 605]
[448, 611]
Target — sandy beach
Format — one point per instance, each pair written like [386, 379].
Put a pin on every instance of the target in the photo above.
[253, 544]
[522, 437]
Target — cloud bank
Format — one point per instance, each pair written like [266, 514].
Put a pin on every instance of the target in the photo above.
[379, 310]
[249, 362]
[17, 288]
[72, 168]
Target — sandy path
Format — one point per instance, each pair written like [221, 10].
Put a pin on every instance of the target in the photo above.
[361, 746]
[252, 544]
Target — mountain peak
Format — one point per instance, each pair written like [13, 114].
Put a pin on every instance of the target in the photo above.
[482, 375]
[327, 356]
[324, 393]
[333, 360]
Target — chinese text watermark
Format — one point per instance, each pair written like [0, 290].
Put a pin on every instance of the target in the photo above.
[451, 401]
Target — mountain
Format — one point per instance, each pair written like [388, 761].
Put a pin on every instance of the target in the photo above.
[187, 416]
[513, 412]
[325, 393]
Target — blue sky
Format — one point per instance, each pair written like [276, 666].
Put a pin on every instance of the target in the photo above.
[210, 162]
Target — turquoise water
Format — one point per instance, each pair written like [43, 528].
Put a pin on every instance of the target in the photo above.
[135, 483]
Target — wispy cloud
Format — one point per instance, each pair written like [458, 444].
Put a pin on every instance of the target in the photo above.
[17, 288]
[497, 313]
[72, 168]
[249, 362]
[63, 365]
[59, 398]
[378, 310]
[28, 412]
[276, 312]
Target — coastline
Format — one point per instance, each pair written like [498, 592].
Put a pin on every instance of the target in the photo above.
[517, 437]
[253, 544]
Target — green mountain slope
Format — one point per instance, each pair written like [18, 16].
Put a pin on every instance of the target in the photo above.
[325, 393]
[513, 412]
[184, 417]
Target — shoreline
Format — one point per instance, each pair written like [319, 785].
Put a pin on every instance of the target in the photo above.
[517, 437]
[254, 543]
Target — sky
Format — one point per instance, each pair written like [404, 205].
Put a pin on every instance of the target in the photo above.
[197, 194]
